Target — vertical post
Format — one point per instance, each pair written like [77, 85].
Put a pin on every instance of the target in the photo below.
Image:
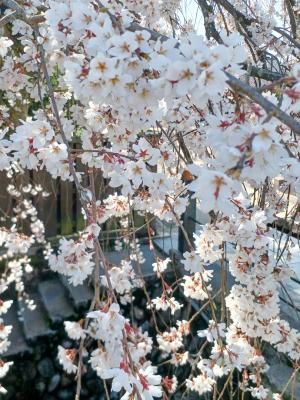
[66, 207]
[189, 224]
[189, 217]
[47, 207]
[79, 219]
[6, 203]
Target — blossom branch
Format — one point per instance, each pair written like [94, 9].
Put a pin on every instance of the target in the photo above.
[245, 89]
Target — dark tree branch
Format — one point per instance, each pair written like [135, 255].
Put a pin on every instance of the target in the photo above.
[210, 27]
[292, 18]
[296, 43]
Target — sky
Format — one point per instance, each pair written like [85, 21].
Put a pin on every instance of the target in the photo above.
[191, 11]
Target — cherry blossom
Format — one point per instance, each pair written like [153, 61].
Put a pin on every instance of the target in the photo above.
[5, 44]
[66, 359]
[74, 330]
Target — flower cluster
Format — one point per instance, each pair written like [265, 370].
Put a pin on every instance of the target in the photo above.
[74, 259]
